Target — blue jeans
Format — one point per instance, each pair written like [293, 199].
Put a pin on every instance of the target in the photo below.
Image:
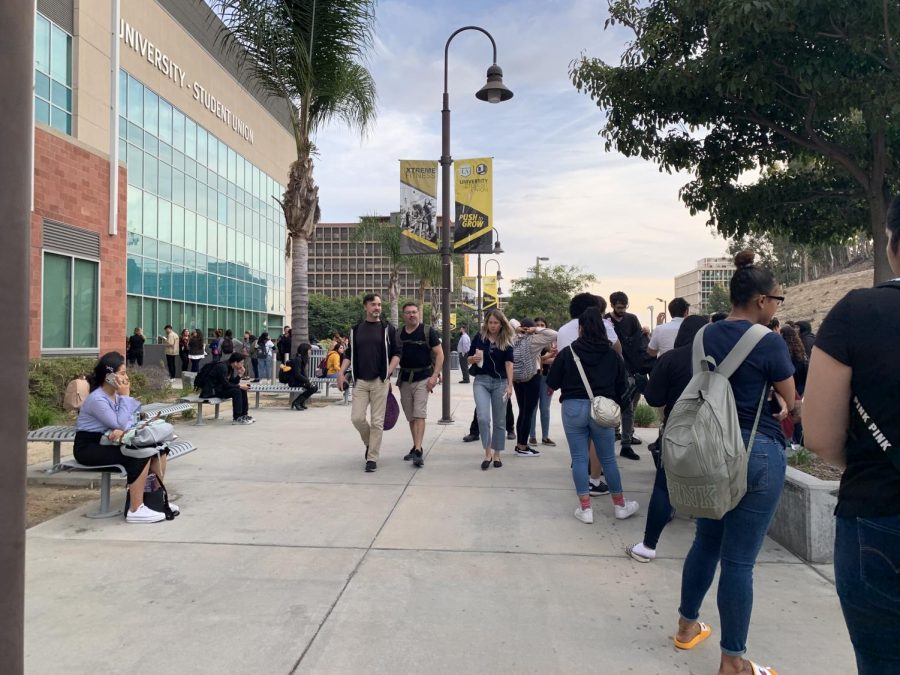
[659, 512]
[490, 408]
[579, 427]
[265, 367]
[867, 574]
[544, 404]
[735, 540]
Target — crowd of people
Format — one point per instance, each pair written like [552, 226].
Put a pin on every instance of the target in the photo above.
[835, 393]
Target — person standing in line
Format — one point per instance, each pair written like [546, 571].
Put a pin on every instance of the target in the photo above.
[528, 394]
[196, 350]
[171, 350]
[284, 345]
[605, 373]
[184, 350]
[462, 348]
[733, 542]
[264, 355]
[670, 376]
[547, 356]
[136, 348]
[227, 345]
[631, 334]
[663, 338]
[491, 355]
[794, 431]
[850, 415]
[252, 343]
[807, 337]
[215, 346]
[372, 357]
[568, 333]
[419, 347]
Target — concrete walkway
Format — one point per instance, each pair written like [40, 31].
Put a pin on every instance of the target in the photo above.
[288, 558]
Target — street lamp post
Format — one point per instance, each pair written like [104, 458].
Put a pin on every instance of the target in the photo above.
[537, 264]
[493, 91]
[664, 307]
[479, 301]
[651, 308]
[499, 277]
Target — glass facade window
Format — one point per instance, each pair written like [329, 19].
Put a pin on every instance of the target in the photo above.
[205, 243]
[69, 283]
[52, 75]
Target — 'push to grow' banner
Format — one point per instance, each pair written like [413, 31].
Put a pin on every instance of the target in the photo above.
[474, 206]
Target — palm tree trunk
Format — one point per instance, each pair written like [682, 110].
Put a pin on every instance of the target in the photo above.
[299, 291]
[394, 295]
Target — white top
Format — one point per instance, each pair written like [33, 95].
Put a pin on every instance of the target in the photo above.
[663, 338]
[569, 333]
[465, 342]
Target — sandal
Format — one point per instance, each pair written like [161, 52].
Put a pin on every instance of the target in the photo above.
[705, 632]
[761, 670]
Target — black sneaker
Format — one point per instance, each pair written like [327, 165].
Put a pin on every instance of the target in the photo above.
[371, 466]
[628, 453]
[636, 441]
[409, 456]
[653, 447]
[510, 436]
[527, 451]
[598, 490]
[418, 459]
[468, 438]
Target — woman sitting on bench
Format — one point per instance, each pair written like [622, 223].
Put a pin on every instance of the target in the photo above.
[110, 408]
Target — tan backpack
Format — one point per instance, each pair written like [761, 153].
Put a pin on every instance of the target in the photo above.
[76, 392]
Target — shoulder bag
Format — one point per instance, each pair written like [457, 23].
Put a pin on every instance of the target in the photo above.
[604, 411]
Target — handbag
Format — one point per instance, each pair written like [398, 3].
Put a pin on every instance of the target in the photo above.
[391, 410]
[147, 439]
[604, 411]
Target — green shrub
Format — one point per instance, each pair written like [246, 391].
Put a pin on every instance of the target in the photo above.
[645, 416]
[47, 379]
[42, 415]
[801, 458]
[150, 383]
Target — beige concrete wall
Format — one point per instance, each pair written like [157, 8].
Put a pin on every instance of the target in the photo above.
[272, 148]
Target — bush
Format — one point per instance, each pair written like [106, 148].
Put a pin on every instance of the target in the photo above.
[150, 383]
[645, 416]
[47, 379]
[42, 415]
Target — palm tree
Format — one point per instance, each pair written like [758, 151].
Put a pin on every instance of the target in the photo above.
[387, 236]
[309, 53]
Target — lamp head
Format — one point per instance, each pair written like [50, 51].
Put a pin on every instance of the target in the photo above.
[497, 247]
[499, 275]
[494, 91]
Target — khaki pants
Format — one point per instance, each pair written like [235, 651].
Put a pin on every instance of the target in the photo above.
[370, 393]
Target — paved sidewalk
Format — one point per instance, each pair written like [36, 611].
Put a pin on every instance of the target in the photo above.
[288, 558]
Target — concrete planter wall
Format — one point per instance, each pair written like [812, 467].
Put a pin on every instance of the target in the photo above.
[804, 520]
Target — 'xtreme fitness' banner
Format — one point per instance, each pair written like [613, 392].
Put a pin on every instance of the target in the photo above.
[418, 207]
[474, 206]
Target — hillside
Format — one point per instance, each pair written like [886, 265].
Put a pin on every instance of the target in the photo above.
[813, 300]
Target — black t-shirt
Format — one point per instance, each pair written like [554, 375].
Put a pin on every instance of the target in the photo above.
[671, 375]
[861, 331]
[629, 332]
[368, 350]
[415, 353]
[136, 344]
[495, 359]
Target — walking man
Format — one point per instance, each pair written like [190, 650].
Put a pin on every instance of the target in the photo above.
[630, 333]
[171, 350]
[417, 379]
[462, 347]
[372, 356]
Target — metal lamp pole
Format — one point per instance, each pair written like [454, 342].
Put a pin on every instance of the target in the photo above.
[664, 308]
[494, 91]
[479, 303]
[651, 308]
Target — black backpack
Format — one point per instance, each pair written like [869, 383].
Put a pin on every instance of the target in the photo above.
[203, 383]
[227, 346]
[284, 374]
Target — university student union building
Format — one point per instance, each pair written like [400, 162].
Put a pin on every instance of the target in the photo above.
[187, 232]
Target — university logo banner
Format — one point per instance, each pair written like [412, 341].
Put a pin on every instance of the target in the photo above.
[489, 294]
[489, 289]
[474, 205]
[418, 207]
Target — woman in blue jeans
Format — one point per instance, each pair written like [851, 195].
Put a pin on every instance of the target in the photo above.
[491, 358]
[851, 420]
[734, 541]
[605, 372]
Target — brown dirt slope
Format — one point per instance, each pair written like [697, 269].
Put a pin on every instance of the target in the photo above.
[813, 300]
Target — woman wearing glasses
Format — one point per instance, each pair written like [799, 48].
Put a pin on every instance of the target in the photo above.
[735, 540]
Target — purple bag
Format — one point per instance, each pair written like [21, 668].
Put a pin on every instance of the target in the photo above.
[391, 410]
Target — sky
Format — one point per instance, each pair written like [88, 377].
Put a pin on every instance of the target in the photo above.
[557, 192]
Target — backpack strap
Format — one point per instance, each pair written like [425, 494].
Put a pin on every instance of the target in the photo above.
[699, 359]
[742, 349]
[759, 408]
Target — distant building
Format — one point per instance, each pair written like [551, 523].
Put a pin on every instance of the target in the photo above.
[696, 285]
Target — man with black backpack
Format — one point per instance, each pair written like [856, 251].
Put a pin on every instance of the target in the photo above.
[371, 356]
[634, 350]
[228, 344]
[222, 379]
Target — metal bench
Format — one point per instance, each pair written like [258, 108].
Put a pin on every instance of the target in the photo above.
[64, 433]
[196, 399]
[261, 388]
[176, 449]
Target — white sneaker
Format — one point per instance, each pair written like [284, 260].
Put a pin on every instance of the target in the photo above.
[630, 508]
[143, 514]
[584, 515]
[174, 507]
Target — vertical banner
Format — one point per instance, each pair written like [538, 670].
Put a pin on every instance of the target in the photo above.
[469, 292]
[489, 288]
[418, 207]
[474, 205]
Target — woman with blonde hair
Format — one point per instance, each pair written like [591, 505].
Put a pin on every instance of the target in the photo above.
[491, 358]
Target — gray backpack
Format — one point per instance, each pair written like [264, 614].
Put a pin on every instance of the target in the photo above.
[703, 451]
[524, 363]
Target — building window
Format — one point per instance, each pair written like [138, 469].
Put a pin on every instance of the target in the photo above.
[52, 75]
[70, 303]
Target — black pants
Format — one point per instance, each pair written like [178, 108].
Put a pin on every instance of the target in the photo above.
[255, 363]
[89, 452]
[239, 404]
[528, 395]
[136, 357]
[170, 363]
[510, 421]
[185, 362]
[195, 365]
[464, 367]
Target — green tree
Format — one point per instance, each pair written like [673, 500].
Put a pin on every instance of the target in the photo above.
[719, 300]
[308, 53]
[806, 91]
[547, 294]
[327, 315]
[387, 236]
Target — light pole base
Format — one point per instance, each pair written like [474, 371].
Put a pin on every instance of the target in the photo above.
[446, 420]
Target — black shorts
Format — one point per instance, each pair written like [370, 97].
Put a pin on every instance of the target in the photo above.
[90, 452]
